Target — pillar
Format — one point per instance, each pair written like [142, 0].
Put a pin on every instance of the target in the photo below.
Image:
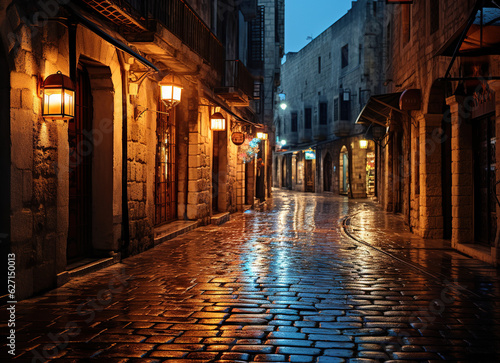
[462, 178]
[431, 211]
[495, 86]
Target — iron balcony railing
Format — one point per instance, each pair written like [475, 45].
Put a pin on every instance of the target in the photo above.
[181, 20]
[239, 77]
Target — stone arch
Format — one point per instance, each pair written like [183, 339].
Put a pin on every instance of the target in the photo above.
[436, 102]
[284, 173]
[327, 172]
[102, 138]
[344, 170]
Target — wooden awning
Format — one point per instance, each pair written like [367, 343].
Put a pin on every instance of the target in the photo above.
[378, 108]
[479, 35]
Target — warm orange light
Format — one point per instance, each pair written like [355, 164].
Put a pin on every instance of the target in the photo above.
[171, 90]
[262, 135]
[363, 144]
[217, 122]
[58, 97]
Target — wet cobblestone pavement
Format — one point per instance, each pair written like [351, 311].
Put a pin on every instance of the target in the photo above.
[284, 285]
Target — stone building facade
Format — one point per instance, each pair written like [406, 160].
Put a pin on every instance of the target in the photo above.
[325, 85]
[126, 172]
[438, 161]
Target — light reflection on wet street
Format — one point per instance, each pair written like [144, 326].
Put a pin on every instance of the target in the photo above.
[286, 284]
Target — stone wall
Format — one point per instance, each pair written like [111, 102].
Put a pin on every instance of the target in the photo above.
[412, 63]
[37, 204]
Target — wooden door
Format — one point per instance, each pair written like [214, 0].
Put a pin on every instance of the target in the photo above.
[79, 243]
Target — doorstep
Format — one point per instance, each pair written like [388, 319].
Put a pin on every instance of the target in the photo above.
[84, 267]
[483, 253]
[171, 230]
[220, 218]
[245, 208]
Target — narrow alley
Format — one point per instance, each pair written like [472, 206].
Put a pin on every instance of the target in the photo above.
[286, 284]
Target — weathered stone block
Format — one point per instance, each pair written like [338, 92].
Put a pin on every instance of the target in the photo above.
[192, 211]
[195, 173]
[21, 225]
[135, 190]
[194, 161]
[22, 138]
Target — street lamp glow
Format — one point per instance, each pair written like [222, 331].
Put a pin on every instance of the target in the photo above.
[262, 135]
[283, 142]
[283, 106]
[217, 122]
[363, 144]
[58, 97]
[171, 89]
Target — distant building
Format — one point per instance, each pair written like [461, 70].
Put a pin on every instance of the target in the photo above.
[324, 87]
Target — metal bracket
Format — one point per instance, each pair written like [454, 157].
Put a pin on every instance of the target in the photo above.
[147, 109]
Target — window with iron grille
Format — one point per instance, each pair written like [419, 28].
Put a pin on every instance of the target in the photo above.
[388, 42]
[256, 41]
[308, 118]
[345, 55]
[434, 15]
[345, 108]
[336, 109]
[294, 121]
[323, 116]
[406, 23]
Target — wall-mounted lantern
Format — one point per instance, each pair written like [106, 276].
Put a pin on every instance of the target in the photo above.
[363, 144]
[262, 135]
[171, 89]
[217, 122]
[58, 97]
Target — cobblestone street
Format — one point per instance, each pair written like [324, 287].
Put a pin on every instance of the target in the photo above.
[284, 285]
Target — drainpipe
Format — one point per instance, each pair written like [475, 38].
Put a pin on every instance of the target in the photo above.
[125, 215]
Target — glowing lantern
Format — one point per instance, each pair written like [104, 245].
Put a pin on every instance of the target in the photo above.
[363, 144]
[58, 97]
[262, 135]
[217, 122]
[171, 89]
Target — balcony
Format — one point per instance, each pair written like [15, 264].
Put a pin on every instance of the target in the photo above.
[137, 20]
[238, 85]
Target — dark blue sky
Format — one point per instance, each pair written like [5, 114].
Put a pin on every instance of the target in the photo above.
[305, 18]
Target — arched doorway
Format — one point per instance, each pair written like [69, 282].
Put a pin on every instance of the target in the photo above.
[344, 171]
[327, 172]
[80, 171]
[166, 172]
[370, 169]
[91, 165]
[284, 173]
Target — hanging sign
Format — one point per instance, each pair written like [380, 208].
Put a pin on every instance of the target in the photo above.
[238, 138]
[411, 99]
[310, 155]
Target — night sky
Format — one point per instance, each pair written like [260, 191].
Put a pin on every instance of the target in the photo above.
[310, 18]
